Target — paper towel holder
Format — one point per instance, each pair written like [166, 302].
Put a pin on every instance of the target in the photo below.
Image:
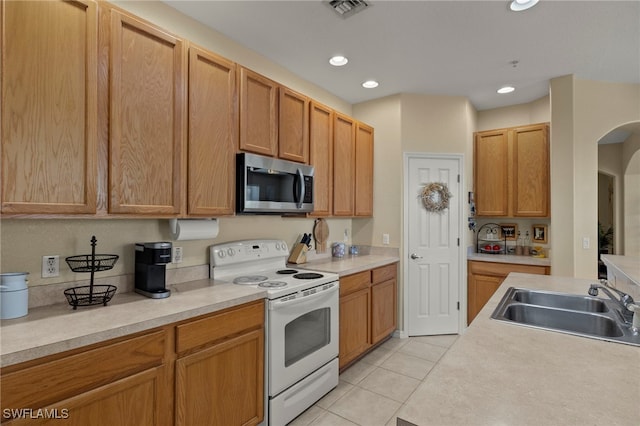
[175, 231]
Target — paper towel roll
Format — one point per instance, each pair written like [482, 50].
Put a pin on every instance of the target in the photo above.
[193, 229]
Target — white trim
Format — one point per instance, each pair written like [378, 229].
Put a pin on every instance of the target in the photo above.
[462, 249]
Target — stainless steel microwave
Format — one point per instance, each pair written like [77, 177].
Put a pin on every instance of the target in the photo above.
[272, 186]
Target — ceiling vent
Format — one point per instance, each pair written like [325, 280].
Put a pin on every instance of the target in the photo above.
[346, 8]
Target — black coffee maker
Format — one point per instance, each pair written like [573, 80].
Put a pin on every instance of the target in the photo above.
[151, 264]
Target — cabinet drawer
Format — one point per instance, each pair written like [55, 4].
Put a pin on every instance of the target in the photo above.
[354, 282]
[503, 269]
[384, 273]
[65, 377]
[206, 330]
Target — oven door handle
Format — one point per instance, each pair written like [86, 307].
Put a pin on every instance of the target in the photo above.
[286, 301]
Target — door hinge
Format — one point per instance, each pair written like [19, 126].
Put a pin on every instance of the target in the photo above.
[458, 178]
[458, 305]
[458, 241]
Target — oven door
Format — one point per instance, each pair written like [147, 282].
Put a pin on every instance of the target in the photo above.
[303, 335]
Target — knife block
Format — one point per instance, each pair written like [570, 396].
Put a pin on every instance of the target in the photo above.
[298, 254]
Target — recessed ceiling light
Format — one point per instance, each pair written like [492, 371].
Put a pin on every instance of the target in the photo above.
[506, 89]
[338, 61]
[520, 5]
[370, 84]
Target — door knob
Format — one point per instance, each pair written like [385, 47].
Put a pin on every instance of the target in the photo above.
[415, 256]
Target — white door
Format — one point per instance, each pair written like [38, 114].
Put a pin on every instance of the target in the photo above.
[432, 246]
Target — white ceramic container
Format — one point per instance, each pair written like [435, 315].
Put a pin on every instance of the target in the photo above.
[14, 295]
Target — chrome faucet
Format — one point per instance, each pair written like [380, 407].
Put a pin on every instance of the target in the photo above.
[625, 300]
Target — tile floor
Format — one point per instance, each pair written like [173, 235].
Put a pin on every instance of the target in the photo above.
[372, 391]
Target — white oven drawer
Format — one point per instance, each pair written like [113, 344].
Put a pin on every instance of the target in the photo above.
[293, 401]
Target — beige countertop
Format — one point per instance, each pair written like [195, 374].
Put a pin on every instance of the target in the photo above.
[57, 328]
[629, 266]
[349, 264]
[509, 258]
[504, 374]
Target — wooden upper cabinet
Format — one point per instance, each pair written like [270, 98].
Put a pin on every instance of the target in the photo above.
[293, 128]
[321, 157]
[491, 170]
[146, 118]
[49, 107]
[511, 172]
[364, 171]
[343, 165]
[258, 113]
[531, 184]
[213, 134]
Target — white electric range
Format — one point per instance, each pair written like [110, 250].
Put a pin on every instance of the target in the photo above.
[301, 344]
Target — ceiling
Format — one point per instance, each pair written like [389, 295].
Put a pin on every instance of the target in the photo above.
[457, 48]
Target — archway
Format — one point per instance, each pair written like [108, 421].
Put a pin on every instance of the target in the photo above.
[619, 161]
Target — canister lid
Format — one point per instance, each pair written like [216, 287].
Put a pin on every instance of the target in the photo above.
[12, 281]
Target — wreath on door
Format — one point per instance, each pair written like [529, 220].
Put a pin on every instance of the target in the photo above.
[435, 197]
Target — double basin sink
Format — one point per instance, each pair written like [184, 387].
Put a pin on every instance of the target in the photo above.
[566, 313]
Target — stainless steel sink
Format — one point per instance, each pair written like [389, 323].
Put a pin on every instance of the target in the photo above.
[560, 300]
[566, 313]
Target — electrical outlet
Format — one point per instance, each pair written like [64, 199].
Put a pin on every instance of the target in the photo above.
[385, 239]
[50, 266]
[177, 255]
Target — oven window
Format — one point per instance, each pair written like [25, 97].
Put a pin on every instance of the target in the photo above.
[306, 334]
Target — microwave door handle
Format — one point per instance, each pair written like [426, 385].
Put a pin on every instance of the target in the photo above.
[300, 194]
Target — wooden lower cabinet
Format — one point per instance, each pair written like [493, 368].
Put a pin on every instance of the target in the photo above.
[355, 310]
[484, 278]
[204, 371]
[368, 311]
[221, 381]
[118, 383]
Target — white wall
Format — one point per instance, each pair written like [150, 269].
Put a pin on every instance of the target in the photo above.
[538, 111]
[631, 201]
[582, 111]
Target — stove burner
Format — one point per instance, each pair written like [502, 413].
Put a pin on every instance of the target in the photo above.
[308, 276]
[250, 279]
[273, 284]
[287, 271]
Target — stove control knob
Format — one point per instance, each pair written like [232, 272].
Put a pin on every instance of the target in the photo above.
[231, 252]
[277, 246]
[221, 254]
[284, 246]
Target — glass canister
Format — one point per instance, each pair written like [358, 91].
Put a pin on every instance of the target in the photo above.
[337, 249]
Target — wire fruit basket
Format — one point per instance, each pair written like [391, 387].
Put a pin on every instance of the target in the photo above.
[89, 295]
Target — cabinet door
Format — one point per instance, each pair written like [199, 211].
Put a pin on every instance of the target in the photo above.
[222, 385]
[147, 118]
[258, 113]
[213, 135]
[364, 171]
[531, 171]
[321, 158]
[98, 385]
[132, 401]
[355, 325]
[343, 165]
[49, 107]
[480, 290]
[491, 171]
[383, 310]
[293, 129]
